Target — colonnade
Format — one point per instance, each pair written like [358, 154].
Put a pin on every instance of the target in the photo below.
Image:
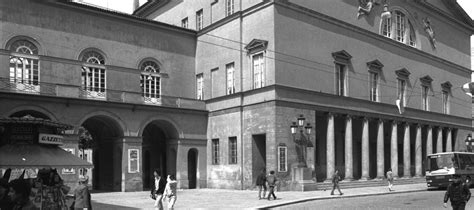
[380, 141]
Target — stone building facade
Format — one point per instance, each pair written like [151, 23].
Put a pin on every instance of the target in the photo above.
[209, 89]
[340, 64]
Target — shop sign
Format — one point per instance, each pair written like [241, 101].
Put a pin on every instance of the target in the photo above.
[50, 139]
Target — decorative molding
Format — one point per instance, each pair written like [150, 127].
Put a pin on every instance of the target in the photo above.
[256, 45]
[426, 79]
[446, 85]
[375, 65]
[341, 56]
[403, 73]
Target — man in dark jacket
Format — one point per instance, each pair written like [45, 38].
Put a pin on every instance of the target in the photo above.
[335, 182]
[458, 193]
[261, 179]
[157, 189]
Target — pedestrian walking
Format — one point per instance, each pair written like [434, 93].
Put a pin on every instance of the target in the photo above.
[157, 190]
[82, 196]
[271, 180]
[390, 179]
[170, 191]
[335, 182]
[261, 184]
[458, 193]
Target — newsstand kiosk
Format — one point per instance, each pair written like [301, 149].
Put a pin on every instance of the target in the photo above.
[30, 149]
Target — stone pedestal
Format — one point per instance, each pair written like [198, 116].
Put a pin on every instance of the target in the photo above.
[302, 179]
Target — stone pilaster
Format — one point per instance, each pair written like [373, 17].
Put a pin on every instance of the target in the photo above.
[406, 152]
[394, 149]
[348, 149]
[418, 151]
[330, 148]
[365, 149]
[380, 150]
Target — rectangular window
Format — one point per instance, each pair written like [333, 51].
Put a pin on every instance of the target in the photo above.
[282, 159]
[215, 151]
[258, 71]
[340, 79]
[233, 150]
[445, 102]
[401, 91]
[424, 97]
[230, 78]
[229, 7]
[374, 77]
[400, 26]
[199, 20]
[184, 23]
[387, 27]
[200, 86]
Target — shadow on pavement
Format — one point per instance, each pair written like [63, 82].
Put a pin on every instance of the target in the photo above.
[96, 205]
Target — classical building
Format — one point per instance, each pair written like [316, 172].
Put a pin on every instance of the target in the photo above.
[209, 90]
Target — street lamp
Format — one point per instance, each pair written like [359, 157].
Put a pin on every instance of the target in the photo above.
[469, 143]
[302, 139]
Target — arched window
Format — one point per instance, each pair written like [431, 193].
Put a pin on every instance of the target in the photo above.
[24, 65]
[398, 27]
[150, 81]
[93, 74]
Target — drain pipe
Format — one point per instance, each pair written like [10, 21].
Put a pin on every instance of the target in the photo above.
[241, 102]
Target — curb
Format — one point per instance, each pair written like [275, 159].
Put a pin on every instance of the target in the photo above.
[334, 197]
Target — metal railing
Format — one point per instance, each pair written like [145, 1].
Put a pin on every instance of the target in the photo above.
[80, 92]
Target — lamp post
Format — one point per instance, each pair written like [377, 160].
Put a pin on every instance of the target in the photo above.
[469, 143]
[302, 139]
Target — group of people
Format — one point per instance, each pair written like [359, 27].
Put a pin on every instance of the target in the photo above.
[163, 190]
[264, 180]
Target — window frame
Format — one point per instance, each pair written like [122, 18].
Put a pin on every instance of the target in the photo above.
[185, 22]
[199, 20]
[374, 86]
[341, 79]
[200, 86]
[24, 66]
[399, 27]
[402, 91]
[94, 74]
[258, 80]
[425, 100]
[233, 155]
[230, 78]
[151, 90]
[283, 163]
[229, 7]
[215, 151]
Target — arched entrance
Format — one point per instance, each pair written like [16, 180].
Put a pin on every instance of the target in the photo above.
[157, 152]
[192, 168]
[107, 153]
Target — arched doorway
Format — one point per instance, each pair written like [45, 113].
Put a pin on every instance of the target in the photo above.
[106, 154]
[192, 168]
[157, 150]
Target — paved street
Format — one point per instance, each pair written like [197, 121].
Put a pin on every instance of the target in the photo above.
[415, 200]
[239, 199]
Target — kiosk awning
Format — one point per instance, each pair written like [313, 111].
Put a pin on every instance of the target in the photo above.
[39, 156]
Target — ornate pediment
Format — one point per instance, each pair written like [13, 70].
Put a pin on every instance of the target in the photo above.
[446, 85]
[375, 65]
[342, 56]
[403, 73]
[256, 45]
[426, 80]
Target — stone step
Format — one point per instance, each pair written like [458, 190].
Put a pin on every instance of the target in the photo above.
[369, 183]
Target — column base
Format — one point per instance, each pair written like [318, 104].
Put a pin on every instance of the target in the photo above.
[364, 179]
[302, 180]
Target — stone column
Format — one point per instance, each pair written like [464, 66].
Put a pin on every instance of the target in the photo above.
[380, 150]
[429, 140]
[394, 149]
[330, 148]
[418, 151]
[406, 152]
[439, 142]
[365, 149]
[348, 149]
[449, 142]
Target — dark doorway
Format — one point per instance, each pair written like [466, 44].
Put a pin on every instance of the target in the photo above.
[146, 171]
[192, 168]
[107, 160]
[259, 154]
[155, 149]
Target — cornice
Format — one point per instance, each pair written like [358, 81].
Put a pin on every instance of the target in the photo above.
[370, 34]
[431, 8]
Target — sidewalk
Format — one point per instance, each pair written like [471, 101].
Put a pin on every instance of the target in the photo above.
[235, 199]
